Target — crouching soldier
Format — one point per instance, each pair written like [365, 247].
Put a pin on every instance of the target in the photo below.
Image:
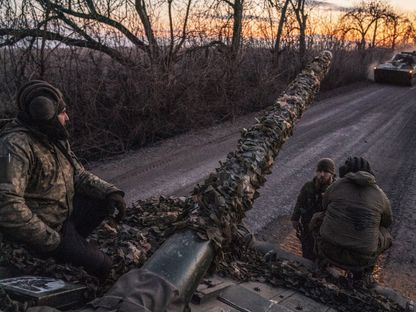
[309, 201]
[354, 226]
[48, 201]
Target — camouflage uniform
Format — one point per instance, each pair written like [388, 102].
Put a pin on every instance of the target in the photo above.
[308, 202]
[38, 181]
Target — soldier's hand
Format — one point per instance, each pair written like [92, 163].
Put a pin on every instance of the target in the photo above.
[116, 206]
[296, 226]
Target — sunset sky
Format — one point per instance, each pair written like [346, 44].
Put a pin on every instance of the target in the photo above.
[399, 4]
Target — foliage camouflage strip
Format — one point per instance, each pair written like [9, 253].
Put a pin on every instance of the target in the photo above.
[227, 194]
[214, 210]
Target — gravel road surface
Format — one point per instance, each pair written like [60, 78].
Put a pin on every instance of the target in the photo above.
[375, 121]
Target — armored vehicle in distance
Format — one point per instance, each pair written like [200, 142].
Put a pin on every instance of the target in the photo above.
[401, 69]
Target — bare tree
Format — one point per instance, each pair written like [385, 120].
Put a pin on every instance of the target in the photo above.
[175, 47]
[282, 8]
[380, 11]
[301, 17]
[92, 24]
[397, 26]
[298, 10]
[237, 7]
[361, 19]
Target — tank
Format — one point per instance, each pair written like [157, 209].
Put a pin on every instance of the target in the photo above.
[207, 237]
[401, 69]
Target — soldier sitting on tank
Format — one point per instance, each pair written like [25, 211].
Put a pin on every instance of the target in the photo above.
[353, 230]
[309, 201]
[49, 202]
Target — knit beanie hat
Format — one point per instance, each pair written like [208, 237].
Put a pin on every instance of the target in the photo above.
[40, 101]
[327, 165]
[355, 164]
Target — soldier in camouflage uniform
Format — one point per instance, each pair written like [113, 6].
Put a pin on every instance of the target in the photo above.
[309, 201]
[49, 202]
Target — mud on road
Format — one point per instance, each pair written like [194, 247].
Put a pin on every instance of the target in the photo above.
[377, 122]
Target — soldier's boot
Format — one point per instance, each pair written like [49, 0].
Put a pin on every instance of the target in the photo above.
[321, 265]
[350, 280]
[369, 281]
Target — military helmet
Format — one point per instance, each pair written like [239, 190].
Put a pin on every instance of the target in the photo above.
[40, 101]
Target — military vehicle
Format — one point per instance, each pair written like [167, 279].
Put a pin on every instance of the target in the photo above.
[172, 279]
[401, 69]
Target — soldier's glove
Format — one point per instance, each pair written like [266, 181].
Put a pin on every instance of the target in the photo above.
[116, 206]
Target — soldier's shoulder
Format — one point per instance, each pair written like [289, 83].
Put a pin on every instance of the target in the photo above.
[309, 186]
[15, 137]
[335, 186]
[381, 192]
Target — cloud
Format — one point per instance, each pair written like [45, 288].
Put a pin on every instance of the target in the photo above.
[328, 5]
[250, 17]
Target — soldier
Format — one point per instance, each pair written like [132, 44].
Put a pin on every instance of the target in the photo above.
[49, 202]
[357, 214]
[309, 201]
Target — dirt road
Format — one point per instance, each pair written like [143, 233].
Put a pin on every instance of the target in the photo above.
[377, 122]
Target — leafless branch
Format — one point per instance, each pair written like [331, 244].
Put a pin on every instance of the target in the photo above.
[97, 17]
[19, 34]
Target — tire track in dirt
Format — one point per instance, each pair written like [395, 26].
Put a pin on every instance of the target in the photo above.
[173, 167]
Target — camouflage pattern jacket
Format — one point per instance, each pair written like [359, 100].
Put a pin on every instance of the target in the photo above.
[38, 180]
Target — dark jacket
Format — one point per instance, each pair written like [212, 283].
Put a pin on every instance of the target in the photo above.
[357, 212]
[308, 202]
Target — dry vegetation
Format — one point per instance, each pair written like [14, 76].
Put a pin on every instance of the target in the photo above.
[135, 72]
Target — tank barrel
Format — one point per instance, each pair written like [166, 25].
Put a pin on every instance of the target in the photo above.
[225, 195]
[228, 193]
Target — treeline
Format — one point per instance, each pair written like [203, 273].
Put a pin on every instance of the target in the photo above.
[136, 72]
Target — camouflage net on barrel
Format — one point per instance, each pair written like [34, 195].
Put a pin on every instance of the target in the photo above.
[214, 210]
[228, 193]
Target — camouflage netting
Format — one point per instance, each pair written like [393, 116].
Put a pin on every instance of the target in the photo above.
[227, 194]
[246, 264]
[215, 210]
[143, 230]
[154, 220]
